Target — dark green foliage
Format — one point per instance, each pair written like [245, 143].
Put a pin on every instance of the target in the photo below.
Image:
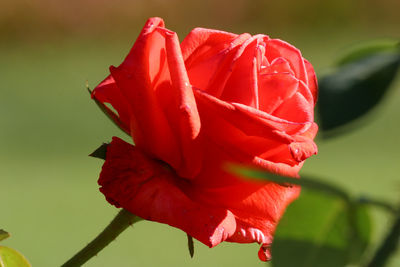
[367, 49]
[356, 86]
[332, 233]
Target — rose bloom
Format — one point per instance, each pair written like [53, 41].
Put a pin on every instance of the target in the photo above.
[194, 107]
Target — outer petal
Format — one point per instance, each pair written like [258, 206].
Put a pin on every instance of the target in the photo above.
[145, 187]
[251, 227]
[312, 80]
[108, 92]
[244, 211]
[263, 138]
[153, 80]
[175, 95]
[251, 121]
[257, 206]
[132, 81]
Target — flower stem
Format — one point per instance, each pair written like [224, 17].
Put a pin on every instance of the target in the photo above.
[122, 221]
[378, 203]
[388, 246]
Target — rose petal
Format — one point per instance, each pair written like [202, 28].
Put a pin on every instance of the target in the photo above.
[131, 180]
[247, 136]
[304, 146]
[202, 43]
[276, 48]
[278, 65]
[176, 97]
[108, 92]
[250, 123]
[255, 228]
[209, 56]
[274, 89]
[190, 118]
[296, 109]
[134, 78]
[141, 43]
[312, 80]
[244, 74]
[246, 211]
[154, 80]
[303, 150]
[257, 206]
[147, 119]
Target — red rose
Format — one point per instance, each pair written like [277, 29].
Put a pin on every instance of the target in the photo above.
[218, 97]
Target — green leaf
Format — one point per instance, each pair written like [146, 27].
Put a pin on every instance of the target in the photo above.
[355, 88]
[321, 230]
[366, 49]
[11, 258]
[3, 234]
[389, 245]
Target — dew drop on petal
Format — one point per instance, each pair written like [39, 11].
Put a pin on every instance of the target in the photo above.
[265, 252]
[186, 109]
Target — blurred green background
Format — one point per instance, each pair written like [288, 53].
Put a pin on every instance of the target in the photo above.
[49, 198]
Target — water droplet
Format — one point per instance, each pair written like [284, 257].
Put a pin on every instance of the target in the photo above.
[186, 109]
[264, 253]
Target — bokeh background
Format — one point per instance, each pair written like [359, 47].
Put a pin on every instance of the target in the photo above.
[49, 198]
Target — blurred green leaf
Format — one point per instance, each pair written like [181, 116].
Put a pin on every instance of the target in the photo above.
[325, 227]
[389, 245]
[355, 88]
[320, 230]
[367, 49]
[12, 258]
[3, 234]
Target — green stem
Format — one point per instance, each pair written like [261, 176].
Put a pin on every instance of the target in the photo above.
[122, 221]
[378, 203]
[388, 246]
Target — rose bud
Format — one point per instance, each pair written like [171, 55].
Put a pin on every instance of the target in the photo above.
[192, 108]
